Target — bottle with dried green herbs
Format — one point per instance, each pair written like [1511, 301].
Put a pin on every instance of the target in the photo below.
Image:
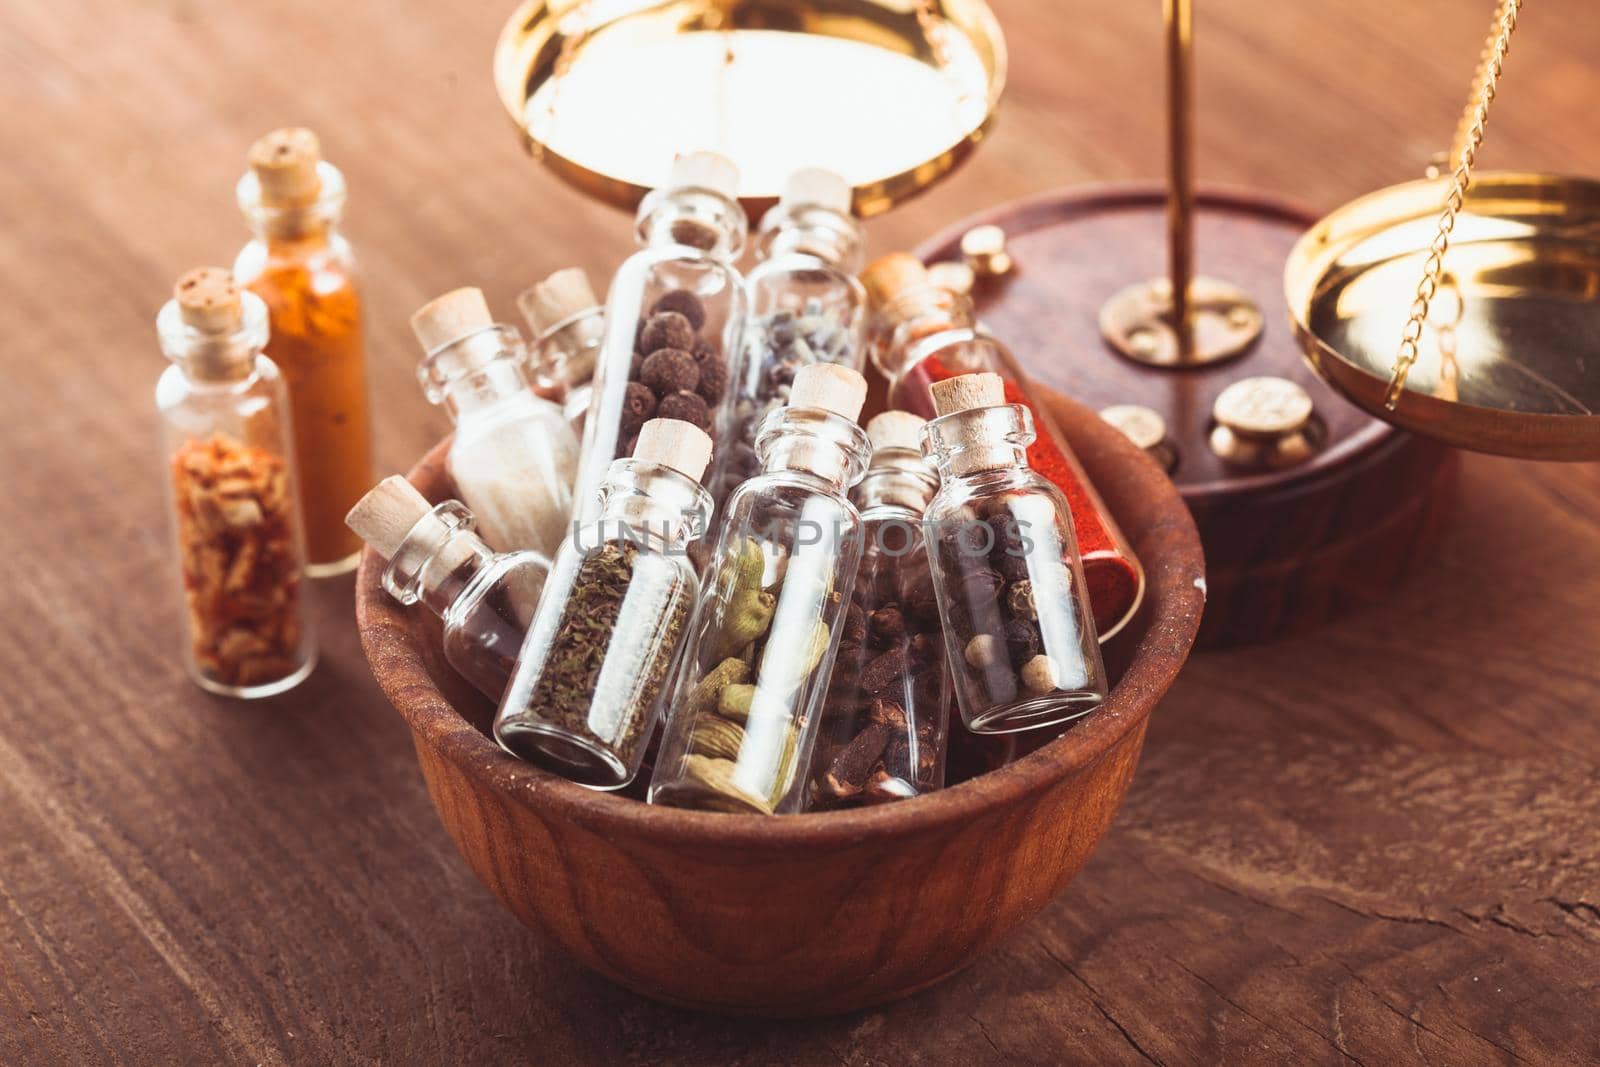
[589, 684]
[1012, 599]
[756, 669]
[673, 318]
[805, 306]
[230, 454]
[882, 735]
[484, 599]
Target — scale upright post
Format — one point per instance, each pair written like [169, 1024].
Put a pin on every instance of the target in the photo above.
[1182, 320]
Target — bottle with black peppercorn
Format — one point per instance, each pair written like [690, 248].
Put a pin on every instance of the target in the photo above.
[484, 599]
[1020, 636]
[882, 735]
[673, 318]
[805, 306]
[589, 683]
[756, 669]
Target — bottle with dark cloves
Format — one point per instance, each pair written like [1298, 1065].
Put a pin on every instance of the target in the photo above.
[485, 599]
[805, 306]
[1015, 610]
[882, 734]
[590, 681]
[673, 318]
[756, 669]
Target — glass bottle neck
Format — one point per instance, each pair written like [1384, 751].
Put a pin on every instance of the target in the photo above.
[650, 505]
[980, 442]
[478, 370]
[215, 358]
[437, 560]
[813, 442]
[823, 233]
[899, 484]
[915, 316]
[297, 228]
[564, 355]
[696, 219]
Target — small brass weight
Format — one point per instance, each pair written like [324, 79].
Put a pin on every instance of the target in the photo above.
[1181, 320]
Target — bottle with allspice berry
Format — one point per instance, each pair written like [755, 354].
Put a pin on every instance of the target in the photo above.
[673, 318]
[301, 265]
[1017, 623]
[230, 455]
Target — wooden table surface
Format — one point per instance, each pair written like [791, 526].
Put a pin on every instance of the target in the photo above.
[1375, 844]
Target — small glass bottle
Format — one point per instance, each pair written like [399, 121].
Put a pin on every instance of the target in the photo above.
[230, 449]
[673, 319]
[756, 669]
[303, 268]
[805, 306]
[514, 454]
[485, 599]
[568, 324]
[923, 334]
[1010, 586]
[882, 735]
[590, 681]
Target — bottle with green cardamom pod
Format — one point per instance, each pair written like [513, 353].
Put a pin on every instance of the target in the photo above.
[588, 686]
[757, 666]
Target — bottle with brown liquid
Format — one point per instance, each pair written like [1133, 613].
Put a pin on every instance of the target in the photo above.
[303, 269]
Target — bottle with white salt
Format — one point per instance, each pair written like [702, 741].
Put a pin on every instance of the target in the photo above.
[514, 455]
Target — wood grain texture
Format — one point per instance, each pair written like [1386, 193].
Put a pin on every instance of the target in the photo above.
[1374, 843]
[803, 915]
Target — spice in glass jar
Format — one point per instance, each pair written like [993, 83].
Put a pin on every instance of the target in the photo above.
[882, 735]
[590, 681]
[301, 265]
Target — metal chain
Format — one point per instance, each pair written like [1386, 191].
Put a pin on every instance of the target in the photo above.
[1469, 138]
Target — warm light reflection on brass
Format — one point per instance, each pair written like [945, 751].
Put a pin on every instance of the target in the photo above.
[892, 94]
[1521, 348]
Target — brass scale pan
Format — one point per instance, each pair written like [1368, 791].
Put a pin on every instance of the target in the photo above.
[893, 94]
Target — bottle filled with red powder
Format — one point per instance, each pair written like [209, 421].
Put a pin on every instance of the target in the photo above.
[921, 334]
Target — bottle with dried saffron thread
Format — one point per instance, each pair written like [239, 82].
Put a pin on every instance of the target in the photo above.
[485, 599]
[568, 324]
[882, 735]
[303, 268]
[230, 451]
[756, 670]
[923, 334]
[805, 306]
[514, 454]
[597, 662]
[673, 318]
[1020, 636]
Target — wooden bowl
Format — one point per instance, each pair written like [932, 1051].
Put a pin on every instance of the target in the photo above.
[803, 914]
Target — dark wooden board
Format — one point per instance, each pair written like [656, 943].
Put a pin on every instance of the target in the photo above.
[1372, 844]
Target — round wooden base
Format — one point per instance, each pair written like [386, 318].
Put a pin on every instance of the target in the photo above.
[1285, 549]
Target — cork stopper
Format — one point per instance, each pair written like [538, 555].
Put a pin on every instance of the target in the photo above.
[451, 317]
[968, 391]
[895, 429]
[830, 387]
[683, 446]
[705, 170]
[387, 514]
[560, 296]
[209, 301]
[815, 187]
[285, 165]
[890, 275]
